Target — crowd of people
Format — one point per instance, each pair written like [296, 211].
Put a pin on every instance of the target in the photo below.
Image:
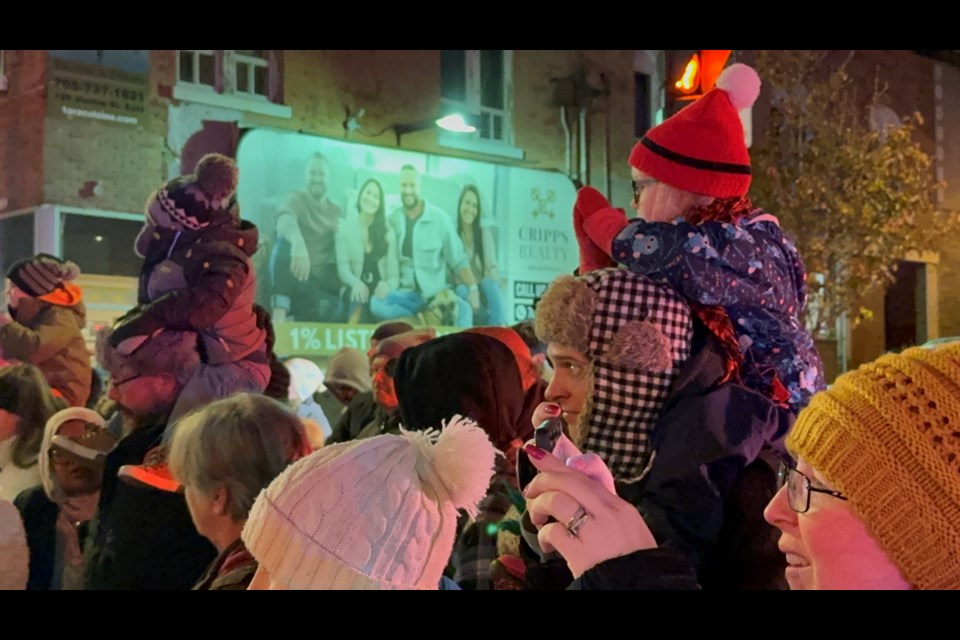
[663, 424]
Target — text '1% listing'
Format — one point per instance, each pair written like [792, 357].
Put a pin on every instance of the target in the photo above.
[306, 338]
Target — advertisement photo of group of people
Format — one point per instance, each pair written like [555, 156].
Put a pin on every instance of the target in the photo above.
[362, 235]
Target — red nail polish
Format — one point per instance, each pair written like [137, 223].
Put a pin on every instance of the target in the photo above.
[535, 452]
[552, 409]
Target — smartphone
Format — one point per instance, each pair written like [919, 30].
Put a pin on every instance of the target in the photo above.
[545, 437]
[548, 433]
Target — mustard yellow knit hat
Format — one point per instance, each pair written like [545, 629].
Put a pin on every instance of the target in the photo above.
[888, 436]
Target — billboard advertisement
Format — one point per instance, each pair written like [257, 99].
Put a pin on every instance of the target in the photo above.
[353, 235]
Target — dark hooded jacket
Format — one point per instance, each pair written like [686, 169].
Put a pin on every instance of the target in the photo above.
[690, 452]
[200, 281]
[475, 376]
[472, 375]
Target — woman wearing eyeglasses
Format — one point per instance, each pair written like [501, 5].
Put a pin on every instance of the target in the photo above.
[698, 232]
[873, 501]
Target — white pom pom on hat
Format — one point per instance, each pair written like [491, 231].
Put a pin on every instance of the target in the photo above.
[462, 457]
[742, 85]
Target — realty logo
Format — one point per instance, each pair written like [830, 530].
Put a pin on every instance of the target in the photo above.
[543, 202]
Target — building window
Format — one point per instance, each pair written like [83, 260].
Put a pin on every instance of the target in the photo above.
[240, 79]
[197, 67]
[16, 239]
[251, 68]
[230, 71]
[480, 82]
[101, 244]
[4, 81]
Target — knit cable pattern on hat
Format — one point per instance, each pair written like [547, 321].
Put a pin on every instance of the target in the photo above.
[379, 513]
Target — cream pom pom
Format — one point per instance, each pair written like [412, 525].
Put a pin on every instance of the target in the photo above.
[462, 456]
[742, 85]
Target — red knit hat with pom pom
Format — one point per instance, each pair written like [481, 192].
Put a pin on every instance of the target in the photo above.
[701, 149]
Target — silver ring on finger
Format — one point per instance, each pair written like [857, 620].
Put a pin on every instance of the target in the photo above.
[573, 524]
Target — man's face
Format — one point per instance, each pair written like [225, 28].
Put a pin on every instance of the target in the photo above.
[384, 391]
[140, 398]
[342, 392]
[570, 386]
[316, 179]
[409, 188]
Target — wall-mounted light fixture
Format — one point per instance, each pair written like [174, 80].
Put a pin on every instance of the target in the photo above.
[456, 122]
[449, 120]
[352, 123]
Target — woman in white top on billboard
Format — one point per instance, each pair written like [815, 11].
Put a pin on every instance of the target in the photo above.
[367, 261]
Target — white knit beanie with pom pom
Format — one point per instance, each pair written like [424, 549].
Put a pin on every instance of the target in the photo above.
[379, 513]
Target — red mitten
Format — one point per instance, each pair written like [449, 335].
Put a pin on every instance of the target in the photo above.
[589, 201]
[603, 226]
[592, 257]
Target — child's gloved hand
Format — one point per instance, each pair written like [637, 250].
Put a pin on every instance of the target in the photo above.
[601, 222]
[589, 201]
[592, 256]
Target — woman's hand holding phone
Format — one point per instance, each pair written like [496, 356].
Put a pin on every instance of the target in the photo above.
[549, 436]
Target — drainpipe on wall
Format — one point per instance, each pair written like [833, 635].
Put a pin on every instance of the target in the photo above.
[606, 154]
[568, 143]
[605, 92]
[583, 146]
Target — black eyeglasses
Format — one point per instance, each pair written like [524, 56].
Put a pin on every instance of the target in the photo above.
[640, 185]
[798, 488]
[116, 383]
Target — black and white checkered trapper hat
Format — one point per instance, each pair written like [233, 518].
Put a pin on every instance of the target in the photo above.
[638, 339]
